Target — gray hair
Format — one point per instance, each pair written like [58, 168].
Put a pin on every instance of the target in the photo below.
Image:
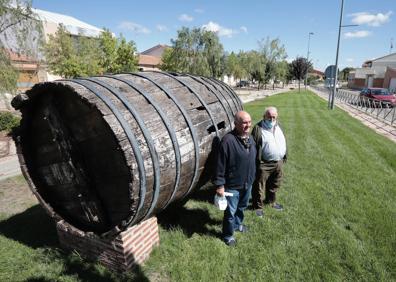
[270, 109]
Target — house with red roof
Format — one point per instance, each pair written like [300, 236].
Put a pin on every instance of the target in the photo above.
[151, 59]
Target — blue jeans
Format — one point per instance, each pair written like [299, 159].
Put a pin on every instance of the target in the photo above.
[233, 215]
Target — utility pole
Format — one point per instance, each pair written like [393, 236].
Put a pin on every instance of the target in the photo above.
[306, 73]
[336, 62]
[334, 90]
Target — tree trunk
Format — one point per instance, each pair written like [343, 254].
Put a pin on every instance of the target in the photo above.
[299, 82]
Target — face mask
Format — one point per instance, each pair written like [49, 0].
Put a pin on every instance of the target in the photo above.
[269, 123]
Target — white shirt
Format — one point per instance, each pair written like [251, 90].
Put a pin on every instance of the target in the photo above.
[274, 144]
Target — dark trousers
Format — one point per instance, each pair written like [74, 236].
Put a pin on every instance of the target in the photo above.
[267, 183]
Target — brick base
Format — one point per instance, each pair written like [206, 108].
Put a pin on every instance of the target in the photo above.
[129, 248]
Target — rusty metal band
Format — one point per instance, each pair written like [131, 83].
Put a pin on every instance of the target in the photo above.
[168, 126]
[147, 137]
[132, 139]
[232, 93]
[203, 103]
[188, 121]
[229, 116]
[216, 86]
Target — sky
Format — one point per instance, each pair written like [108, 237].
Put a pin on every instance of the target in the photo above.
[240, 25]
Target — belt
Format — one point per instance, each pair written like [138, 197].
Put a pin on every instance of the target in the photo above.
[270, 162]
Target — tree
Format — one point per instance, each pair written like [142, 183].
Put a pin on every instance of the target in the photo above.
[273, 52]
[72, 56]
[88, 55]
[244, 65]
[213, 52]
[108, 48]
[194, 51]
[62, 56]
[168, 63]
[299, 68]
[126, 58]
[281, 71]
[256, 67]
[8, 74]
[18, 26]
[231, 62]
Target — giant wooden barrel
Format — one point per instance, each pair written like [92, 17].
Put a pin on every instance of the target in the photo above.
[104, 153]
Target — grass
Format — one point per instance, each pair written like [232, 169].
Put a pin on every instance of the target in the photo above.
[338, 224]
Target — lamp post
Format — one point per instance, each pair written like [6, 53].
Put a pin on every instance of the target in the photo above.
[306, 73]
[331, 97]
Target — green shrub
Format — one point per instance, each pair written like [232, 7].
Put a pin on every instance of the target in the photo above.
[8, 121]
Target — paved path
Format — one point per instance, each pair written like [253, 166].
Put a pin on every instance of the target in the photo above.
[9, 166]
[247, 96]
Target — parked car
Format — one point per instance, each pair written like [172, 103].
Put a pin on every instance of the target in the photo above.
[243, 83]
[378, 96]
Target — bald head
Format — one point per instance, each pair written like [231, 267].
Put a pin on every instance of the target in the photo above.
[243, 122]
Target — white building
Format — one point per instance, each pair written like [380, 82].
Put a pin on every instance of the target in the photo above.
[49, 23]
[380, 72]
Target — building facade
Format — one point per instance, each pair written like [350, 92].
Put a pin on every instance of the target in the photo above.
[32, 69]
[380, 72]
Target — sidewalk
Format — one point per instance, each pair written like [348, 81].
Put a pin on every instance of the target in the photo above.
[9, 166]
[247, 96]
[378, 126]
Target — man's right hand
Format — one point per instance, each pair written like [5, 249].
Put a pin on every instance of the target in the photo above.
[220, 191]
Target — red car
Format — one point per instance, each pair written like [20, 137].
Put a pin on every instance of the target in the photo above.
[378, 96]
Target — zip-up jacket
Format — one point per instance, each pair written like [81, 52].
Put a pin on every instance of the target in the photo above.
[236, 165]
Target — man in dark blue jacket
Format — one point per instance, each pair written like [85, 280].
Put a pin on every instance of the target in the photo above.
[235, 173]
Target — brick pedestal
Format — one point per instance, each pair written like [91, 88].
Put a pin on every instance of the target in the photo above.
[130, 247]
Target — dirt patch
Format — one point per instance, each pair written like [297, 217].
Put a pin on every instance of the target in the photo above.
[15, 196]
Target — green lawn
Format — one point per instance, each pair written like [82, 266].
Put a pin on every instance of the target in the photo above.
[338, 224]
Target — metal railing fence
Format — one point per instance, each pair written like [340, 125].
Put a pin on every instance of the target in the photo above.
[381, 110]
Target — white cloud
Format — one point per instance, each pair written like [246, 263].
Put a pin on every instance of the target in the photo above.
[350, 60]
[134, 27]
[161, 27]
[185, 18]
[370, 19]
[219, 30]
[199, 11]
[244, 29]
[357, 34]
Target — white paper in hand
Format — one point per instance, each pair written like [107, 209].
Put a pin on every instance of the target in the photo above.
[221, 201]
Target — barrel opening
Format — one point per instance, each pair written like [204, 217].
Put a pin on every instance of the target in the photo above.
[73, 155]
[212, 128]
[221, 125]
